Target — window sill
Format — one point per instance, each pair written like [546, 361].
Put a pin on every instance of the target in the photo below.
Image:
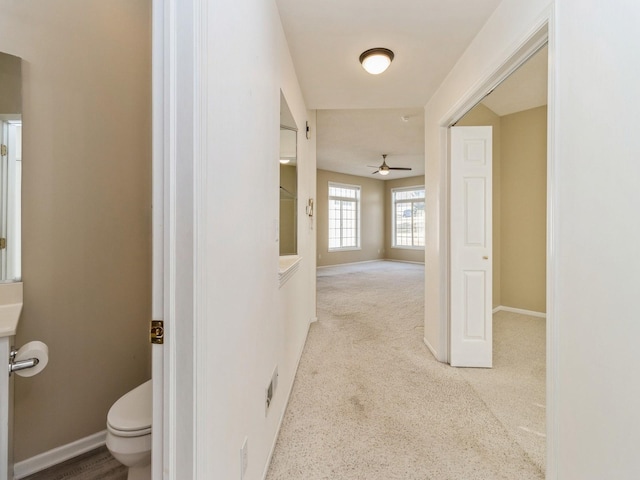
[346, 249]
[407, 248]
[287, 266]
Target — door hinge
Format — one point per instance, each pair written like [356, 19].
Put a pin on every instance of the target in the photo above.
[156, 334]
[3, 150]
[3, 243]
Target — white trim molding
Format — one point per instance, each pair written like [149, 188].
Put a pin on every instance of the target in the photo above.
[553, 334]
[58, 455]
[159, 148]
[430, 347]
[289, 265]
[521, 311]
[401, 261]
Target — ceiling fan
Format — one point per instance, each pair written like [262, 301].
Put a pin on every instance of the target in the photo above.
[384, 169]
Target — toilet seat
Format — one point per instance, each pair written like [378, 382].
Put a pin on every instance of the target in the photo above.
[128, 433]
[131, 415]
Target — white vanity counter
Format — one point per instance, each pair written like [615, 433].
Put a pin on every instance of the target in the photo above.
[10, 308]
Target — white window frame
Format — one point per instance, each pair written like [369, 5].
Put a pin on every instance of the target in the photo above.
[393, 216]
[358, 201]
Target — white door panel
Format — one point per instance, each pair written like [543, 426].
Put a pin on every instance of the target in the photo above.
[471, 253]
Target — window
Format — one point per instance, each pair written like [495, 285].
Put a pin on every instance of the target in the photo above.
[344, 217]
[408, 217]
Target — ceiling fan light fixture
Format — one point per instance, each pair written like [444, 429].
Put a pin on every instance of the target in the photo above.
[376, 60]
[385, 169]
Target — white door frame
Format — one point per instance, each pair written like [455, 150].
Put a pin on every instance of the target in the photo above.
[159, 149]
[540, 34]
[176, 97]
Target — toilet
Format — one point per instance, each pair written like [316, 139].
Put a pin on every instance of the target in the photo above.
[129, 431]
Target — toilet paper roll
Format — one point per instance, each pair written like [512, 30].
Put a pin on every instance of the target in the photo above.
[35, 349]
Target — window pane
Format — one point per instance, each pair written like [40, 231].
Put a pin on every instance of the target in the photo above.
[409, 217]
[418, 224]
[344, 207]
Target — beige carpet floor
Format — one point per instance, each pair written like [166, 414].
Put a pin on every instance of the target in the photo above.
[514, 389]
[371, 403]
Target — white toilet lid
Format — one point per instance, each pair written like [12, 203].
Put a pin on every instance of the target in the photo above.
[132, 413]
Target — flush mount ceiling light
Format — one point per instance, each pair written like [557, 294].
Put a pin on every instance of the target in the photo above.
[376, 60]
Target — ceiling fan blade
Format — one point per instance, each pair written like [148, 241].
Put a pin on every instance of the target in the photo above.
[399, 168]
[373, 166]
[375, 172]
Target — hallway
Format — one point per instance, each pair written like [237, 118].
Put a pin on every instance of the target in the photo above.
[370, 402]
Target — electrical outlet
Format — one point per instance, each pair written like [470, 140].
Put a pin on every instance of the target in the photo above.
[244, 457]
[319, 256]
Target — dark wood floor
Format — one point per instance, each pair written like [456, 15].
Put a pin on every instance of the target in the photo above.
[94, 465]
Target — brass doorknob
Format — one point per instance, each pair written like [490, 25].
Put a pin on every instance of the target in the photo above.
[485, 258]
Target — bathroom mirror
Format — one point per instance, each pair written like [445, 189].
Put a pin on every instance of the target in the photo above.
[10, 167]
[288, 180]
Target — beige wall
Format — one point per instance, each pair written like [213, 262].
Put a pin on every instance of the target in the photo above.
[523, 209]
[478, 116]
[391, 253]
[86, 210]
[519, 205]
[372, 201]
[10, 84]
[288, 204]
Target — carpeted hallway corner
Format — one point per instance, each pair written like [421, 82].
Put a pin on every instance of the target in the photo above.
[371, 403]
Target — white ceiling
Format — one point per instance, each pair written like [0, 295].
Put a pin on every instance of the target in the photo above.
[350, 140]
[326, 38]
[359, 116]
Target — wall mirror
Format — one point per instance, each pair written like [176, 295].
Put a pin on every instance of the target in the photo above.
[10, 167]
[288, 180]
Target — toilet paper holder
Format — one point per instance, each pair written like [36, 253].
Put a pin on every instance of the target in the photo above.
[21, 364]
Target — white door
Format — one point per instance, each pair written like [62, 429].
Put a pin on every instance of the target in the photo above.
[471, 253]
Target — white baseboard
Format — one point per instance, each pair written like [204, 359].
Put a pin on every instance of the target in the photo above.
[431, 349]
[402, 261]
[521, 311]
[350, 263]
[58, 455]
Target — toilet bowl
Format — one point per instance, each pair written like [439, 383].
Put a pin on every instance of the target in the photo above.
[129, 431]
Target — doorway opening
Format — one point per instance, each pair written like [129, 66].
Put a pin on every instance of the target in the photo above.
[515, 389]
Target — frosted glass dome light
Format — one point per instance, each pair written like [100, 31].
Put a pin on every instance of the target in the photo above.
[376, 60]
